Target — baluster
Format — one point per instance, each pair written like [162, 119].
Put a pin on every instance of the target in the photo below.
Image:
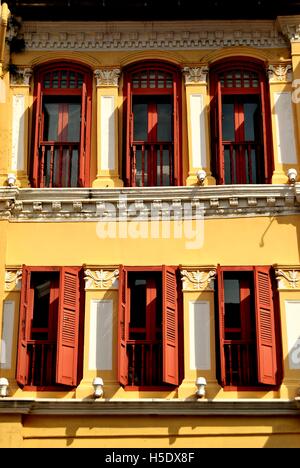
[42, 363]
[33, 364]
[143, 165]
[171, 173]
[232, 165]
[230, 364]
[51, 165]
[143, 365]
[70, 166]
[133, 365]
[240, 376]
[161, 155]
[61, 153]
[249, 154]
[42, 163]
[133, 168]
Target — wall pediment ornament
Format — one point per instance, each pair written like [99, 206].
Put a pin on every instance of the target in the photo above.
[13, 279]
[198, 280]
[288, 278]
[101, 279]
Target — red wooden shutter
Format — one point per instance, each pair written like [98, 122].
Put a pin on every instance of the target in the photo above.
[221, 308]
[129, 136]
[176, 140]
[170, 326]
[123, 323]
[266, 128]
[38, 137]
[82, 151]
[68, 327]
[22, 360]
[265, 327]
[220, 151]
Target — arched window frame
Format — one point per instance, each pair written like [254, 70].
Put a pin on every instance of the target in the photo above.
[128, 93]
[216, 93]
[40, 92]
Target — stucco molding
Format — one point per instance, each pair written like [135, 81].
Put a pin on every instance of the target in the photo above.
[198, 280]
[107, 77]
[288, 278]
[13, 279]
[150, 203]
[129, 35]
[195, 75]
[153, 406]
[280, 73]
[101, 279]
[21, 77]
[290, 27]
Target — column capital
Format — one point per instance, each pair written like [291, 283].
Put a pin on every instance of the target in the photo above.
[290, 27]
[280, 73]
[288, 277]
[21, 76]
[195, 75]
[107, 77]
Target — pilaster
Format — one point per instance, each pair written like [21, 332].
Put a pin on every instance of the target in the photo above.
[197, 101]
[107, 128]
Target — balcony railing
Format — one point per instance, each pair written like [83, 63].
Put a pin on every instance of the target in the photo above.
[152, 164]
[59, 164]
[42, 363]
[243, 162]
[144, 363]
[240, 363]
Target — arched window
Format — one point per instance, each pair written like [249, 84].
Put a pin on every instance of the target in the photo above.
[152, 102]
[240, 123]
[62, 126]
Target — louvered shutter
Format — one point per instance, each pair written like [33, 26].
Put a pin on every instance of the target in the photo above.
[170, 326]
[83, 136]
[265, 327]
[221, 310]
[123, 324]
[68, 327]
[37, 177]
[220, 150]
[24, 322]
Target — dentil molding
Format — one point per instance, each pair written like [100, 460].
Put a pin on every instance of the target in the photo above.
[126, 35]
[198, 280]
[101, 279]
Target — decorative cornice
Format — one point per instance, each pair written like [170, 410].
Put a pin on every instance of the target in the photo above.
[290, 27]
[13, 279]
[288, 278]
[280, 73]
[165, 407]
[21, 77]
[195, 75]
[78, 204]
[101, 279]
[107, 77]
[198, 280]
[150, 35]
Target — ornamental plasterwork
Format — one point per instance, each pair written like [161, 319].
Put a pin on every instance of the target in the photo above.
[280, 73]
[193, 35]
[288, 279]
[107, 77]
[195, 75]
[290, 26]
[199, 280]
[101, 279]
[21, 77]
[13, 280]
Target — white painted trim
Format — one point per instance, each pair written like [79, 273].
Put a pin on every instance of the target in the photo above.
[292, 314]
[285, 129]
[101, 335]
[198, 131]
[18, 132]
[107, 128]
[7, 334]
[199, 329]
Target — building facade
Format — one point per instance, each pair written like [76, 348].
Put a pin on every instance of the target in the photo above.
[149, 221]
